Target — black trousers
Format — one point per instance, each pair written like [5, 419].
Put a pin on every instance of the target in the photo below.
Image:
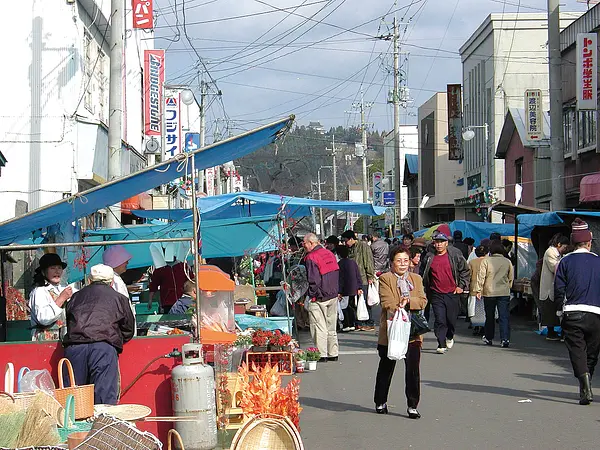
[445, 309]
[412, 375]
[582, 337]
[350, 312]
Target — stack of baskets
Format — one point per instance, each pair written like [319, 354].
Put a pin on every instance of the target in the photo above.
[267, 432]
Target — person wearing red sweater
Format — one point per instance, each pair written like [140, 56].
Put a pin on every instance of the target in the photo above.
[169, 280]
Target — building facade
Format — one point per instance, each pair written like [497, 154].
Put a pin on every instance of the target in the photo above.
[54, 129]
[505, 56]
[409, 144]
[439, 177]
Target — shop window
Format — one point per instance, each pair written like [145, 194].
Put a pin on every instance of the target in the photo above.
[519, 171]
[568, 119]
[586, 129]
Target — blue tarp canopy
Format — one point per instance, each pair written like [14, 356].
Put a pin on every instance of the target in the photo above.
[552, 218]
[249, 204]
[87, 202]
[252, 235]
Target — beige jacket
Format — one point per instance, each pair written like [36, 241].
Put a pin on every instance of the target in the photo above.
[495, 276]
[474, 265]
[549, 265]
[390, 300]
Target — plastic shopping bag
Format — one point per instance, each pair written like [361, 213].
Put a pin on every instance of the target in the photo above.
[361, 310]
[398, 335]
[340, 312]
[344, 302]
[373, 295]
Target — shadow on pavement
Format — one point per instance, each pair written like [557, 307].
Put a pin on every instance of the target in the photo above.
[329, 405]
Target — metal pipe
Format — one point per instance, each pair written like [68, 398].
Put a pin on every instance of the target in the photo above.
[3, 321]
[196, 225]
[90, 244]
[283, 253]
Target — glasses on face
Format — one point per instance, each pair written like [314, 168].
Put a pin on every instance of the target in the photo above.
[401, 261]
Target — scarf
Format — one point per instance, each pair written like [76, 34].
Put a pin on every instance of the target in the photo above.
[404, 284]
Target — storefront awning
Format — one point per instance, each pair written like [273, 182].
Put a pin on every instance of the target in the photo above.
[589, 188]
[85, 203]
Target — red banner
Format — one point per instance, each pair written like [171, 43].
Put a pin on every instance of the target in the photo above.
[142, 14]
[154, 79]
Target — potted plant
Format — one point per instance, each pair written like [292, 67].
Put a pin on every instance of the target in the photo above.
[260, 339]
[300, 357]
[279, 341]
[312, 356]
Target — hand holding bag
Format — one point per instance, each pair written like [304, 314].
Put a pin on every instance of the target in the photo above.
[373, 295]
[418, 324]
[361, 310]
[398, 335]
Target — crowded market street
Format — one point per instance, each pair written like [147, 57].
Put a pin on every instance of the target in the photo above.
[473, 397]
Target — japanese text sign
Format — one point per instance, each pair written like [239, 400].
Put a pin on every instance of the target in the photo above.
[454, 98]
[587, 71]
[534, 119]
[377, 189]
[142, 14]
[172, 125]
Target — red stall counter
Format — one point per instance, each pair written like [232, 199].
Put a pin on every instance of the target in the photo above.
[153, 388]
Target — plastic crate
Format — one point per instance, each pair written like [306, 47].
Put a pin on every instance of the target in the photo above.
[283, 360]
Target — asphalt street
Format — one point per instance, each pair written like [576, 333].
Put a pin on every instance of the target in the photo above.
[473, 397]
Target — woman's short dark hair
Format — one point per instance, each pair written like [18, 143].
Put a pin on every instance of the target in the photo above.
[343, 251]
[414, 251]
[481, 250]
[496, 248]
[559, 239]
[469, 241]
[398, 249]
[409, 236]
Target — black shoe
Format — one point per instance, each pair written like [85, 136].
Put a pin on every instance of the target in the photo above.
[332, 358]
[381, 409]
[323, 360]
[505, 344]
[413, 413]
[585, 389]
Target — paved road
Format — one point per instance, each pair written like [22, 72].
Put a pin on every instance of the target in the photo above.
[469, 398]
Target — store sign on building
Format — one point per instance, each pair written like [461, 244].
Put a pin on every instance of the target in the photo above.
[142, 14]
[587, 71]
[154, 79]
[209, 176]
[455, 141]
[172, 125]
[377, 189]
[534, 114]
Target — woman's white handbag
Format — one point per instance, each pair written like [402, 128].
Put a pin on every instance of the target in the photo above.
[398, 335]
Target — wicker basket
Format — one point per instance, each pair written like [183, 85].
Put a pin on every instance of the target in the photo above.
[267, 432]
[174, 435]
[84, 395]
[22, 399]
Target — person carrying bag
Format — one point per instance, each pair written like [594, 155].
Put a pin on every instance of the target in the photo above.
[399, 291]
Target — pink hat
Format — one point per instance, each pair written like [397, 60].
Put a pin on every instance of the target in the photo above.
[115, 256]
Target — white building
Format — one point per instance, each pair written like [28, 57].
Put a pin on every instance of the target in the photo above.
[505, 56]
[55, 100]
[409, 145]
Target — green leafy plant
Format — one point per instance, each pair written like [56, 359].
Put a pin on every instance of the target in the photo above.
[313, 354]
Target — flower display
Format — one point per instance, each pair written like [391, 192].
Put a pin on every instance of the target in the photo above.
[260, 338]
[313, 354]
[280, 339]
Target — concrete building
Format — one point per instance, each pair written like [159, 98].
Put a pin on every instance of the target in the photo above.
[54, 127]
[582, 162]
[439, 177]
[411, 181]
[505, 56]
[409, 145]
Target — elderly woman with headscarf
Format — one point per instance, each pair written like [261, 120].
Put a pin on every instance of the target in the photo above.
[47, 300]
[99, 322]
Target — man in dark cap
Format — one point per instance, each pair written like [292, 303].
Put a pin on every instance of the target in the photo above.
[576, 286]
[446, 275]
[459, 244]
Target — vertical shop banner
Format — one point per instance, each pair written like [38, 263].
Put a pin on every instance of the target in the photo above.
[455, 141]
[209, 176]
[172, 125]
[154, 79]
[143, 14]
[238, 183]
[587, 71]
[377, 189]
[534, 114]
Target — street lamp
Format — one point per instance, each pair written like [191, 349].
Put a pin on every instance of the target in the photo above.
[468, 134]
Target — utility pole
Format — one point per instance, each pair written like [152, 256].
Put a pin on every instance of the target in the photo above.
[397, 162]
[321, 225]
[556, 117]
[362, 106]
[334, 169]
[202, 130]
[115, 104]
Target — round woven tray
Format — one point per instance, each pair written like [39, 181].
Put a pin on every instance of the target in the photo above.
[267, 432]
[128, 413]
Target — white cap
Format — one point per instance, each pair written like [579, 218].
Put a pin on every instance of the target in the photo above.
[102, 273]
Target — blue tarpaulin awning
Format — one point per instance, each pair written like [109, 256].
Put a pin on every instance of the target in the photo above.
[249, 204]
[552, 218]
[90, 201]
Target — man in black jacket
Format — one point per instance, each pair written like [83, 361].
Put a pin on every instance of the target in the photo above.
[446, 275]
[99, 322]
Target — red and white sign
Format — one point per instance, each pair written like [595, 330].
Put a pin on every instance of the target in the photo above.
[534, 115]
[587, 71]
[377, 189]
[154, 79]
[209, 177]
[142, 14]
[172, 125]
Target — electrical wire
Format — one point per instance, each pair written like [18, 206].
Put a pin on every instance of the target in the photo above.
[512, 41]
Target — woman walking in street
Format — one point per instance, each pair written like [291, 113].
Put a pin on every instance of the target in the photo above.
[557, 248]
[476, 310]
[399, 289]
[350, 287]
[494, 280]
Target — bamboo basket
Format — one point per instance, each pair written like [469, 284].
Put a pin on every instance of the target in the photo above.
[84, 395]
[22, 399]
[267, 432]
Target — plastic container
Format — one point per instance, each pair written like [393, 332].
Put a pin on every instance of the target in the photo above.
[216, 299]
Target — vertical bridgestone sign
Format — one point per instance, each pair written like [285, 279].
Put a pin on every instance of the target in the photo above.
[455, 147]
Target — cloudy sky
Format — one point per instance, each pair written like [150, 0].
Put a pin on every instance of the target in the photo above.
[271, 58]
